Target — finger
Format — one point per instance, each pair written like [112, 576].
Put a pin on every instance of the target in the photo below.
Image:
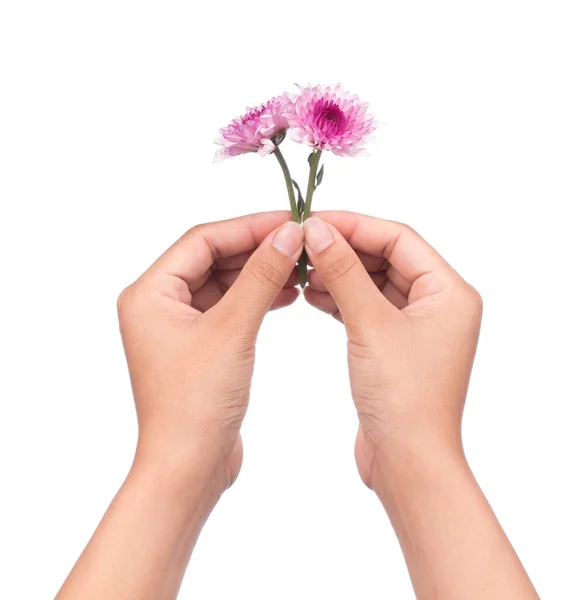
[315, 281]
[390, 292]
[373, 264]
[191, 257]
[341, 272]
[208, 295]
[394, 295]
[399, 281]
[322, 301]
[411, 258]
[262, 278]
[286, 297]
[227, 278]
[232, 262]
[213, 291]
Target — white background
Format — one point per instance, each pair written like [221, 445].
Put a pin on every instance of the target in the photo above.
[107, 115]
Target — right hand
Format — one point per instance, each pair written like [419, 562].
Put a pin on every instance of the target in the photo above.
[412, 324]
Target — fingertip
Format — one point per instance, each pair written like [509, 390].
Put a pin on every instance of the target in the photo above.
[322, 301]
[314, 280]
[318, 235]
[288, 239]
[285, 298]
[293, 280]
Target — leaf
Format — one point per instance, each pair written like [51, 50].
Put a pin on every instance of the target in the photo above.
[300, 201]
[301, 206]
[299, 194]
[319, 176]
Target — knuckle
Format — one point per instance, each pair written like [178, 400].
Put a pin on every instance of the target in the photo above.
[193, 231]
[124, 299]
[405, 228]
[475, 297]
[473, 301]
[340, 267]
[266, 273]
[131, 301]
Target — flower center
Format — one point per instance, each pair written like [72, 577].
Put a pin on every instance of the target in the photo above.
[329, 118]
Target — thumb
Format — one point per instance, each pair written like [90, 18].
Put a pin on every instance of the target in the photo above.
[263, 276]
[341, 271]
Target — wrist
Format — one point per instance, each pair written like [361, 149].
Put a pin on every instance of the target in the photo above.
[414, 464]
[193, 477]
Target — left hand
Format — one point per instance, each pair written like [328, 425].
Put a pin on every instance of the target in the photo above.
[189, 328]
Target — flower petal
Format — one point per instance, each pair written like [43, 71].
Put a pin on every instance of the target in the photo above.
[329, 118]
[252, 131]
[266, 148]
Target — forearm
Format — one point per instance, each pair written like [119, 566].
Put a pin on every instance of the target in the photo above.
[453, 544]
[142, 546]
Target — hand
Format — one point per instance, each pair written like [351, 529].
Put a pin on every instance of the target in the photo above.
[189, 327]
[412, 325]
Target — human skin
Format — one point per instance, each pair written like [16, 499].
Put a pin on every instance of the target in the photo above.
[412, 325]
[189, 328]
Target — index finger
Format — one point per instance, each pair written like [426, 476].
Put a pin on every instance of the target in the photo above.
[191, 257]
[410, 257]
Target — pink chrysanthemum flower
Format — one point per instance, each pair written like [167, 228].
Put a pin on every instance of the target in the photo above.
[254, 131]
[328, 118]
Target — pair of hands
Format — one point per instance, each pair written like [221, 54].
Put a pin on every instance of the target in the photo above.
[189, 327]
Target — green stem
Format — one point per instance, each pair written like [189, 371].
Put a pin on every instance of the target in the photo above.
[311, 185]
[314, 159]
[289, 185]
[302, 268]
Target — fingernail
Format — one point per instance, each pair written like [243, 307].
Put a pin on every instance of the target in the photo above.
[288, 239]
[318, 236]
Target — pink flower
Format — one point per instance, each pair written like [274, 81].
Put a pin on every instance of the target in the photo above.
[328, 118]
[253, 132]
